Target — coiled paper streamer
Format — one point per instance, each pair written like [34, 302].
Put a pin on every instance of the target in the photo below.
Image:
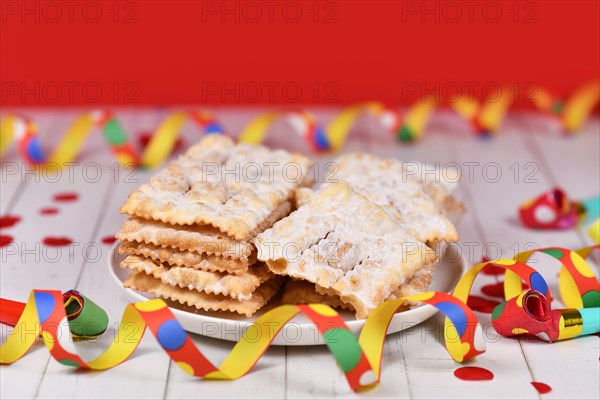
[360, 360]
[486, 119]
[319, 138]
[24, 132]
[303, 123]
[580, 105]
[415, 120]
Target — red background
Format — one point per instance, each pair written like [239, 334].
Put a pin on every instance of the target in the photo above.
[158, 52]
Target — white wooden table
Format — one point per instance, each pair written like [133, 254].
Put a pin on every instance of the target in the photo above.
[528, 153]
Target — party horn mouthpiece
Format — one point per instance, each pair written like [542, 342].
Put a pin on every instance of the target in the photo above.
[86, 319]
[530, 313]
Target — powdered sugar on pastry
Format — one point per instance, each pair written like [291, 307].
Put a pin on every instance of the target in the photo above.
[203, 301]
[234, 188]
[189, 259]
[239, 287]
[417, 284]
[439, 183]
[197, 238]
[342, 241]
[383, 182]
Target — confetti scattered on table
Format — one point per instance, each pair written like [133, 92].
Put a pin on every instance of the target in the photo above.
[481, 304]
[491, 269]
[57, 241]
[494, 289]
[8, 221]
[5, 240]
[542, 388]
[49, 211]
[473, 374]
[66, 197]
[109, 240]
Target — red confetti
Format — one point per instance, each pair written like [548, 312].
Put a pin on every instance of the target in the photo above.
[109, 240]
[49, 211]
[492, 269]
[481, 304]
[473, 374]
[57, 241]
[64, 197]
[494, 289]
[9, 221]
[542, 388]
[5, 240]
[497, 289]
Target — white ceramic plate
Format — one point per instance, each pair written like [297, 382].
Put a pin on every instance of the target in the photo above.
[299, 331]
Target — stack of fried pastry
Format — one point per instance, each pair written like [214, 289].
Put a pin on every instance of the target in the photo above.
[189, 234]
[216, 229]
[365, 236]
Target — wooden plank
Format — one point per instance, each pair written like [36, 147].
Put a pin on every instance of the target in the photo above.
[266, 380]
[132, 379]
[499, 222]
[13, 184]
[28, 263]
[571, 163]
[14, 172]
[415, 364]
[425, 356]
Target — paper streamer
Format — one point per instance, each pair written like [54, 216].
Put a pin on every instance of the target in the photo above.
[580, 105]
[24, 133]
[485, 119]
[492, 113]
[415, 120]
[468, 109]
[360, 360]
[594, 231]
[303, 123]
[547, 103]
[321, 139]
[339, 127]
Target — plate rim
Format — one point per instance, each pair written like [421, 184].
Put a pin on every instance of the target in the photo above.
[354, 324]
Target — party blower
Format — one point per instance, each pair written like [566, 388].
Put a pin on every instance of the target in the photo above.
[555, 210]
[530, 313]
[86, 319]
